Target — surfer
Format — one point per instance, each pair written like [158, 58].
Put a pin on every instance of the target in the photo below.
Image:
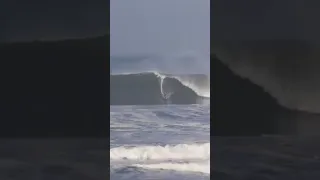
[166, 98]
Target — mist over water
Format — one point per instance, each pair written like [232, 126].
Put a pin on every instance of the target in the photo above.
[189, 62]
[159, 89]
[179, 79]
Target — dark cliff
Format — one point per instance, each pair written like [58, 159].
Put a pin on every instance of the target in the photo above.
[54, 88]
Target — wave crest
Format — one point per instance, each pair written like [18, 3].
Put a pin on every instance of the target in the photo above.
[159, 88]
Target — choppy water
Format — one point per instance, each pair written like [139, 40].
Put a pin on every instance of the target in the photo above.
[160, 142]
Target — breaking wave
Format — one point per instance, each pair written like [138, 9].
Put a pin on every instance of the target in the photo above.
[149, 88]
[181, 157]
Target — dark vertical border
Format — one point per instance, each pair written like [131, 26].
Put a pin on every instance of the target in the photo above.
[54, 104]
[55, 88]
[212, 94]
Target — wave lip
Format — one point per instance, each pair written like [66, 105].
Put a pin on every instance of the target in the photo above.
[151, 88]
[181, 157]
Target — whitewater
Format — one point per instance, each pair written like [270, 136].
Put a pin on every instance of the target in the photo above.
[155, 88]
[160, 142]
[159, 118]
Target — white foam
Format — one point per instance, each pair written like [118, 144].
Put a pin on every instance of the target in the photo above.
[203, 167]
[194, 157]
[161, 77]
[201, 91]
[200, 88]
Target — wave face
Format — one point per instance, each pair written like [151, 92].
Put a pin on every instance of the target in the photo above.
[275, 44]
[151, 88]
[288, 69]
[181, 157]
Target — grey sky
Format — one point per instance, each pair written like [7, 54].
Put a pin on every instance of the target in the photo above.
[159, 26]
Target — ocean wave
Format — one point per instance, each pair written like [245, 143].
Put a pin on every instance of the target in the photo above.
[149, 88]
[181, 157]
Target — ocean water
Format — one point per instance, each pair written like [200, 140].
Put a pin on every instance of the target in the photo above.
[159, 123]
